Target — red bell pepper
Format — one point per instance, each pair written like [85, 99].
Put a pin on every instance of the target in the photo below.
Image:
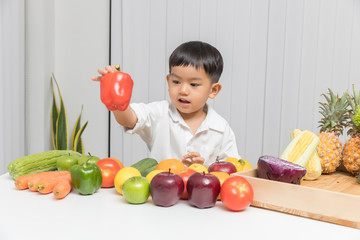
[116, 90]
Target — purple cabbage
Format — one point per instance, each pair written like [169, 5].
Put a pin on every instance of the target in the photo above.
[277, 169]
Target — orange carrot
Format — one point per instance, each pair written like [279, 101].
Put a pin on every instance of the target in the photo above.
[62, 189]
[22, 182]
[46, 186]
[34, 181]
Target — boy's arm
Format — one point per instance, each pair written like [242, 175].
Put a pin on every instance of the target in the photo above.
[126, 118]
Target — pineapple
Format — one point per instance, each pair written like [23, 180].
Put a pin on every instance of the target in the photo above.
[351, 152]
[332, 124]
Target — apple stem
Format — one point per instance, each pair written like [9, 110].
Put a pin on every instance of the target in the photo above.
[89, 154]
[169, 170]
[204, 173]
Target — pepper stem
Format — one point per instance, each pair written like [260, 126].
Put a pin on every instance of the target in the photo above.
[117, 66]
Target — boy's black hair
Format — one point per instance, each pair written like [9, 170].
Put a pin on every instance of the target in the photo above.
[199, 55]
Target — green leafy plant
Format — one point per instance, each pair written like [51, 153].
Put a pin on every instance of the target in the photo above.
[59, 125]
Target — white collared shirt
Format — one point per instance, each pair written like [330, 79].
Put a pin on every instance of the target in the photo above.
[167, 135]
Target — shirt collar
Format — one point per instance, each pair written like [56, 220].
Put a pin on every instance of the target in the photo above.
[212, 121]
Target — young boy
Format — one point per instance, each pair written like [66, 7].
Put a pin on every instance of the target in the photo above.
[186, 128]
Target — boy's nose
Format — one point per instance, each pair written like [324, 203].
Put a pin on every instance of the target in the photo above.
[184, 89]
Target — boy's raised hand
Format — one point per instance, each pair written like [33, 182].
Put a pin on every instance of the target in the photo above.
[192, 157]
[115, 87]
[103, 71]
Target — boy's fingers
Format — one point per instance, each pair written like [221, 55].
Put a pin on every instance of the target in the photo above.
[186, 156]
[110, 68]
[192, 154]
[186, 162]
[96, 78]
[102, 71]
[198, 160]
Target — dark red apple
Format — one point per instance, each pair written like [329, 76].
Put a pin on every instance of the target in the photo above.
[222, 166]
[166, 189]
[203, 189]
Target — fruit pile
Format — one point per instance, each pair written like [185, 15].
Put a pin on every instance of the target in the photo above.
[340, 113]
[171, 180]
[166, 181]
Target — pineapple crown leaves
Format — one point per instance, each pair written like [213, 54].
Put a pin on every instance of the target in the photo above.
[356, 118]
[334, 113]
[354, 100]
[354, 113]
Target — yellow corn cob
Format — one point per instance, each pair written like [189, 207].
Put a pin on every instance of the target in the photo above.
[313, 167]
[301, 148]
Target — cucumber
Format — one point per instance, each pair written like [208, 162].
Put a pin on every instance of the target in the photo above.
[39, 162]
[145, 164]
[150, 169]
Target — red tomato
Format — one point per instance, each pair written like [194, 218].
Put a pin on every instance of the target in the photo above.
[236, 193]
[109, 168]
[118, 161]
[185, 176]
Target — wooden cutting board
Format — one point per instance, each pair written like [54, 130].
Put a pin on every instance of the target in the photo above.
[332, 198]
[338, 182]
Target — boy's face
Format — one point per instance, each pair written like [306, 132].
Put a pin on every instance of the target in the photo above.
[189, 88]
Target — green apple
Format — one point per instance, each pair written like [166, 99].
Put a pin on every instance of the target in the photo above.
[66, 162]
[136, 190]
[92, 159]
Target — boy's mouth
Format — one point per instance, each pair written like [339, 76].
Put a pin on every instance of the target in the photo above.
[182, 100]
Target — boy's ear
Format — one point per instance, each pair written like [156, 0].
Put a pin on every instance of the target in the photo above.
[215, 89]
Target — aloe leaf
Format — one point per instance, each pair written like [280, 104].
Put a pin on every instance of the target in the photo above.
[76, 129]
[54, 115]
[78, 144]
[62, 140]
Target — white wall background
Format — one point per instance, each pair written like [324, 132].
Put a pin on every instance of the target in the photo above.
[279, 57]
[69, 38]
[12, 81]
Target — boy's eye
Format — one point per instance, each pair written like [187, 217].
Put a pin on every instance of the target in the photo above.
[176, 81]
[194, 84]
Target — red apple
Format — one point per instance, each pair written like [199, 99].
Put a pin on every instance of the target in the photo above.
[166, 189]
[185, 176]
[222, 166]
[203, 189]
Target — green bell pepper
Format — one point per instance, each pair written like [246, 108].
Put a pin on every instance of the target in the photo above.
[86, 178]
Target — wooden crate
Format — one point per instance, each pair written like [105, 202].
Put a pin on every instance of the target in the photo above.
[332, 198]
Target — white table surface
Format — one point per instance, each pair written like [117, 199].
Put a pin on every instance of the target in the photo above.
[106, 215]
